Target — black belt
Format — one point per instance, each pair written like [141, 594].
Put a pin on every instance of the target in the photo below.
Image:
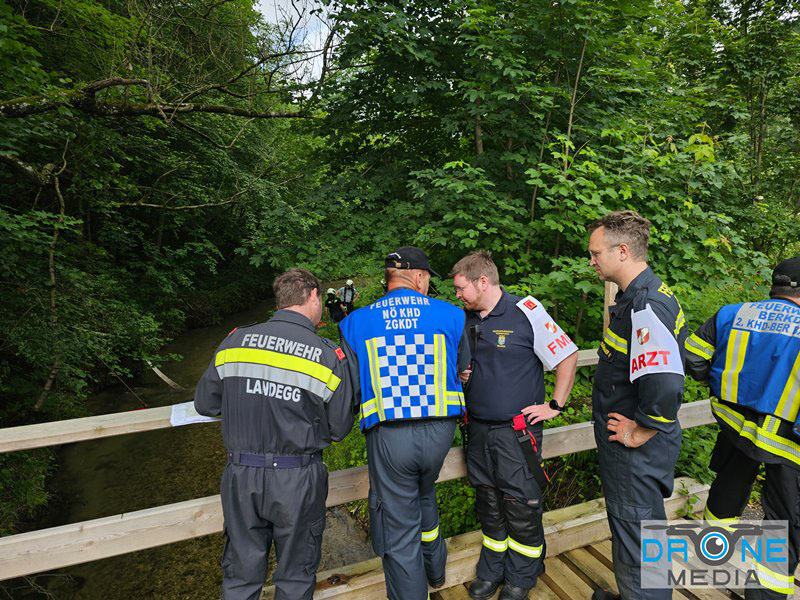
[490, 422]
[273, 461]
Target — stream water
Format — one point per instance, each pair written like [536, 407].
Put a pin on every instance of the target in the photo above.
[131, 472]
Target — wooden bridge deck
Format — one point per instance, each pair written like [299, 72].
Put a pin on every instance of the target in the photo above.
[576, 574]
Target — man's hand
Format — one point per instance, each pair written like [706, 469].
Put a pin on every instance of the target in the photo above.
[627, 432]
[536, 413]
[465, 375]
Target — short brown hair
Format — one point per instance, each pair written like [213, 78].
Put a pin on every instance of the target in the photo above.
[294, 286]
[474, 265]
[625, 227]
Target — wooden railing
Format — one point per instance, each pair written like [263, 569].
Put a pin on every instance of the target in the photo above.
[76, 543]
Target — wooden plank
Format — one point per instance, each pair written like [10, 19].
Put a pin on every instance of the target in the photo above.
[39, 435]
[454, 593]
[86, 428]
[67, 545]
[597, 571]
[560, 578]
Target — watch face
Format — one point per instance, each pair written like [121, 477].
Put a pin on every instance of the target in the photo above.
[554, 405]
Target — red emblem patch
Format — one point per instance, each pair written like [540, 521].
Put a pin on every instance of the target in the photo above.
[551, 327]
[643, 335]
[339, 354]
[529, 304]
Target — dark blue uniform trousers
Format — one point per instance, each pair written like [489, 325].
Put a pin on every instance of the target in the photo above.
[404, 459]
[509, 506]
[635, 483]
[780, 497]
[262, 505]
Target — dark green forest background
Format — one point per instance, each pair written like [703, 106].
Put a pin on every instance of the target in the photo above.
[160, 162]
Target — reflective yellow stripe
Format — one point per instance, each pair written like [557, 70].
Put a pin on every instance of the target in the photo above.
[716, 521]
[374, 371]
[429, 536]
[661, 419]
[282, 361]
[455, 398]
[680, 320]
[790, 398]
[734, 361]
[532, 551]
[771, 424]
[760, 436]
[616, 342]
[369, 408]
[783, 584]
[442, 400]
[696, 345]
[496, 545]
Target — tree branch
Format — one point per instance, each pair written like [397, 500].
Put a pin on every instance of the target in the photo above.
[83, 99]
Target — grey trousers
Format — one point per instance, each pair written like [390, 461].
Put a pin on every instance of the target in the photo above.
[404, 460]
[635, 483]
[265, 505]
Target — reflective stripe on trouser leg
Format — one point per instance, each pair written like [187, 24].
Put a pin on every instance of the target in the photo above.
[434, 550]
[403, 463]
[781, 501]
[495, 538]
[526, 548]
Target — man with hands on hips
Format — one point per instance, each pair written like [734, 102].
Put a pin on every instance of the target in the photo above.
[513, 340]
[638, 388]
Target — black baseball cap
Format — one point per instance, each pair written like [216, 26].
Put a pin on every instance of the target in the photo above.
[787, 273]
[408, 257]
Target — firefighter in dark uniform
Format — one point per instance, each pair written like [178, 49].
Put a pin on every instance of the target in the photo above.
[284, 394]
[638, 388]
[512, 341]
[409, 349]
[335, 307]
[749, 355]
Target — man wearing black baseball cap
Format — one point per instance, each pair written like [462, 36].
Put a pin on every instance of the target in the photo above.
[749, 355]
[408, 349]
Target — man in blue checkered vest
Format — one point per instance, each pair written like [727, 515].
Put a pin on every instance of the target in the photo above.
[409, 350]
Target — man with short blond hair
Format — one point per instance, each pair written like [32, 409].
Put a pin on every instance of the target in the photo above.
[638, 388]
[284, 394]
[513, 341]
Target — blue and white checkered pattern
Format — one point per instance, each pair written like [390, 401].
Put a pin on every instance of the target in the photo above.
[407, 369]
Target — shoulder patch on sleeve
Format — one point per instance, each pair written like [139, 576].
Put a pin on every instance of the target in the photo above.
[339, 354]
[550, 343]
[654, 348]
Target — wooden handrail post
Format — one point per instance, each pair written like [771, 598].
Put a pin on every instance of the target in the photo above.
[611, 290]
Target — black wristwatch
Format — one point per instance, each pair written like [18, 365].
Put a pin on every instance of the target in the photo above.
[553, 404]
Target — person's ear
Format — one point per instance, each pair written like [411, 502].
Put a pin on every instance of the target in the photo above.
[624, 251]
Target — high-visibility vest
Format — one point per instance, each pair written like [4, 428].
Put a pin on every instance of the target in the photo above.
[756, 359]
[407, 347]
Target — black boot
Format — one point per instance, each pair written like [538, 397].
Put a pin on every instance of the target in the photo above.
[437, 583]
[604, 595]
[512, 592]
[482, 590]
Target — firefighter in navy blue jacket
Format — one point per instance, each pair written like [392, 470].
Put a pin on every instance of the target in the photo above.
[408, 349]
[284, 394]
[514, 341]
[749, 355]
[638, 389]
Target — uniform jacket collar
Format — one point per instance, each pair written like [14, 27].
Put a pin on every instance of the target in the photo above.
[641, 281]
[290, 316]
